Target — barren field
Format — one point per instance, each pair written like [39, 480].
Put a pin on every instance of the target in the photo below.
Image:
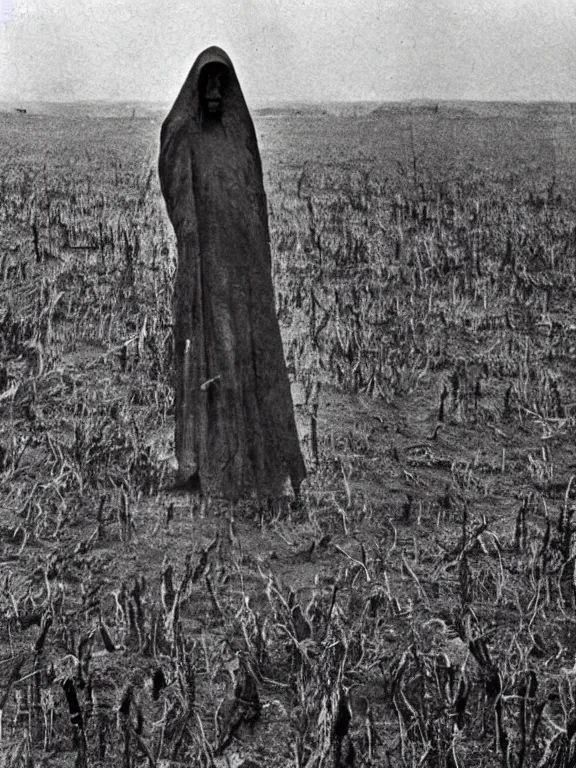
[417, 607]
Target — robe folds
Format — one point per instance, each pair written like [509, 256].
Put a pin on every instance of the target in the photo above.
[235, 430]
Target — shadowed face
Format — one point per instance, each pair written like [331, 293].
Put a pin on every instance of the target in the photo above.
[212, 86]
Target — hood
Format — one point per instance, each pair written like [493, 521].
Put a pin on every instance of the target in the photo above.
[188, 100]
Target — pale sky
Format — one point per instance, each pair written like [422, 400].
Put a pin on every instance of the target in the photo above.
[291, 49]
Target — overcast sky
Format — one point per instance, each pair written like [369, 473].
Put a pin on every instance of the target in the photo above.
[291, 49]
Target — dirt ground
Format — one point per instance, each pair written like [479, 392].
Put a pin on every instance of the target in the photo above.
[416, 606]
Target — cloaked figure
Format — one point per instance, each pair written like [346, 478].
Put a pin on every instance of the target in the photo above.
[235, 428]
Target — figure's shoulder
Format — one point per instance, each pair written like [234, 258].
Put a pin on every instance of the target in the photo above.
[176, 125]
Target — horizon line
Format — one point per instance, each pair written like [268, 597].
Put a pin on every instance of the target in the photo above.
[265, 102]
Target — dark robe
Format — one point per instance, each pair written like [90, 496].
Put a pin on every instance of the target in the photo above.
[235, 427]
